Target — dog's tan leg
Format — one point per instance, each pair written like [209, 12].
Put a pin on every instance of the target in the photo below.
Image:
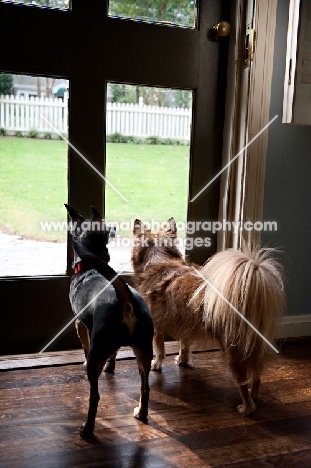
[255, 390]
[159, 350]
[94, 369]
[84, 337]
[110, 364]
[248, 405]
[239, 373]
[183, 358]
[144, 365]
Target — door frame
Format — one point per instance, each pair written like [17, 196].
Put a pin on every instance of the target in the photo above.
[247, 113]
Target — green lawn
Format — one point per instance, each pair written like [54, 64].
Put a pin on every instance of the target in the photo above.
[33, 184]
[154, 179]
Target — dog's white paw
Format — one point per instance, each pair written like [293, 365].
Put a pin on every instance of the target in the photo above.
[246, 410]
[138, 414]
[109, 368]
[86, 431]
[156, 365]
[181, 363]
[84, 364]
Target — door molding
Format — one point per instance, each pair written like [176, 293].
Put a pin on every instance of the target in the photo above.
[247, 112]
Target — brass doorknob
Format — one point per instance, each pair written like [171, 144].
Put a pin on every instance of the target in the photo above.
[221, 30]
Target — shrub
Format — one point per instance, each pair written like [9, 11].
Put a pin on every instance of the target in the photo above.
[47, 136]
[134, 140]
[18, 134]
[2, 132]
[153, 140]
[33, 133]
[170, 141]
[116, 138]
[6, 83]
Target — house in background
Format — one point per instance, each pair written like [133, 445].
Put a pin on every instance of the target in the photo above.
[33, 86]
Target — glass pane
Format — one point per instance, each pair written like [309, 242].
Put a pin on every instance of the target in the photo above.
[61, 4]
[182, 12]
[148, 138]
[33, 175]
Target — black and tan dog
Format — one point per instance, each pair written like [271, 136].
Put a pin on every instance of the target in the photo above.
[110, 313]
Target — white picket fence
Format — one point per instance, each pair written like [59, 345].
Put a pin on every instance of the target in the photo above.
[143, 121]
[49, 115]
[45, 115]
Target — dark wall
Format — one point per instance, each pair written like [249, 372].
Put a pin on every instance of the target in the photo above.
[288, 184]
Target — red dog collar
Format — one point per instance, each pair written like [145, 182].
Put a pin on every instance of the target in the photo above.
[80, 266]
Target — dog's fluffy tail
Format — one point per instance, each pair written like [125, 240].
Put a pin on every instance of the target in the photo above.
[123, 292]
[252, 282]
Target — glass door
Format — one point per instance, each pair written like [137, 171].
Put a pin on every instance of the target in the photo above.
[96, 46]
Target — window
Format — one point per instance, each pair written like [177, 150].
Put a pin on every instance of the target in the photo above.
[33, 176]
[181, 13]
[61, 4]
[147, 146]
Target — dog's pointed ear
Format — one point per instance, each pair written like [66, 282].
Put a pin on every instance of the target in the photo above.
[77, 247]
[138, 228]
[171, 229]
[95, 214]
[73, 214]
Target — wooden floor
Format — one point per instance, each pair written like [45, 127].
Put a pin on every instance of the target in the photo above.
[192, 419]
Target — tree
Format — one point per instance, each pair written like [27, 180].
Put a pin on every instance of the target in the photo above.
[173, 11]
[123, 93]
[151, 95]
[6, 83]
[50, 3]
[49, 83]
